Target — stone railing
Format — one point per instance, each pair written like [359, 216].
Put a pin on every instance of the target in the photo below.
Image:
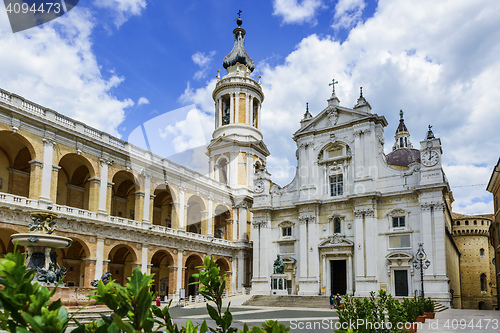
[10, 200]
[49, 115]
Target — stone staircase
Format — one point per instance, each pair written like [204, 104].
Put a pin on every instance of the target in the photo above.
[87, 315]
[290, 301]
[294, 301]
[438, 307]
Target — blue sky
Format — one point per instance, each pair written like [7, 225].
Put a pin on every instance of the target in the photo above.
[134, 66]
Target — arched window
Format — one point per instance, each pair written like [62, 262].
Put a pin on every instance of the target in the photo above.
[481, 252]
[458, 222]
[466, 222]
[475, 222]
[336, 225]
[401, 142]
[483, 282]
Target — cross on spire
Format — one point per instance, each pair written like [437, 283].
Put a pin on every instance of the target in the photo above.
[239, 13]
[401, 114]
[360, 92]
[333, 85]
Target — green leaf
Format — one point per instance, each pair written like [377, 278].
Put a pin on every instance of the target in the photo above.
[212, 312]
[79, 329]
[204, 327]
[55, 305]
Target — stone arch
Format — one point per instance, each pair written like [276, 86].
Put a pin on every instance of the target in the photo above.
[222, 222]
[196, 215]
[192, 261]
[164, 213]
[16, 154]
[6, 244]
[122, 261]
[73, 258]
[342, 146]
[73, 181]
[124, 194]
[162, 266]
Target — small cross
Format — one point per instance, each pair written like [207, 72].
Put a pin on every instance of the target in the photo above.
[333, 85]
[239, 13]
[360, 92]
[401, 114]
[430, 128]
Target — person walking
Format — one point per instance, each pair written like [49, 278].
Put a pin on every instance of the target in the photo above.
[332, 301]
[158, 302]
[338, 299]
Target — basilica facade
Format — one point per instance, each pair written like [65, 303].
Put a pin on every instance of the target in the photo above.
[352, 219]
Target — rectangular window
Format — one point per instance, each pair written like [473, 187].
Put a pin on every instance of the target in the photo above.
[287, 231]
[335, 153]
[287, 248]
[398, 222]
[399, 241]
[336, 185]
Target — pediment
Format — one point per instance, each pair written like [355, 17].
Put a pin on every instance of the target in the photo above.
[330, 117]
[336, 241]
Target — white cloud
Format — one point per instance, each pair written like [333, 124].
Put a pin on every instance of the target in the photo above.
[202, 60]
[122, 9]
[54, 66]
[142, 101]
[296, 11]
[348, 13]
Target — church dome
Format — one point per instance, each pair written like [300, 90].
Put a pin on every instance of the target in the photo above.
[403, 157]
[238, 54]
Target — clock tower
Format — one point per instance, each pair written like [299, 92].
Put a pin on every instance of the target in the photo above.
[430, 158]
[236, 150]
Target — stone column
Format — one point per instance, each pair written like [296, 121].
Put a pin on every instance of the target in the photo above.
[94, 194]
[233, 169]
[109, 197]
[151, 208]
[237, 108]
[250, 170]
[139, 205]
[241, 271]
[99, 263]
[250, 116]
[48, 155]
[204, 222]
[210, 227]
[233, 110]
[180, 269]
[175, 215]
[90, 271]
[182, 209]
[324, 278]
[36, 170]
[55, 179]
[242, 221]
[103, 193]
[349, 274]
[234, 269]
[144, 258]
[147, 192]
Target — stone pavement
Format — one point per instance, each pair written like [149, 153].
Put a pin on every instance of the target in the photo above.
[303, 320]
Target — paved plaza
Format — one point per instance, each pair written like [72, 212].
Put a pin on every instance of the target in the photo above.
[323, 320]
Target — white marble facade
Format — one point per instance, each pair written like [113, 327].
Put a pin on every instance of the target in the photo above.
[349, 222]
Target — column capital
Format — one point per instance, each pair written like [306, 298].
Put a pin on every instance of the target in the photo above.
[94, 180]
[36, 163]
[56, 168]
[110, 184]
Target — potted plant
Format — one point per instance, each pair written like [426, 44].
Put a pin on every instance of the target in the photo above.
[419, 304]
[429, 308]
[411, 314]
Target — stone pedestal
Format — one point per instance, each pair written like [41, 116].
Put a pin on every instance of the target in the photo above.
[278, 284]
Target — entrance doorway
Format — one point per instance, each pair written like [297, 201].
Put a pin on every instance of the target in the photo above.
[401, 282]
[338, 271]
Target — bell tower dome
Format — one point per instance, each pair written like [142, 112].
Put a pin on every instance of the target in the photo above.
[237, 149]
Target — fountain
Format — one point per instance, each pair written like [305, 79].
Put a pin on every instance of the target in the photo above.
[40, 243]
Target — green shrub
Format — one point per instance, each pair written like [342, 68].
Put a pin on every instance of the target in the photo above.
[429, 305]
[26, 307]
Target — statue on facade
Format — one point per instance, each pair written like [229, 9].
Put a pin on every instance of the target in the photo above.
[279, 266]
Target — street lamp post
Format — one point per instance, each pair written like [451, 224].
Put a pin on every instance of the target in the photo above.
[421, 263]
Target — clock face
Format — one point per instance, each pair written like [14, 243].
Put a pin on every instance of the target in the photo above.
[259, 186]
[430, 158]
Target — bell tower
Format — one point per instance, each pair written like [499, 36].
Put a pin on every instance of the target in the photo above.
[236, 149]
